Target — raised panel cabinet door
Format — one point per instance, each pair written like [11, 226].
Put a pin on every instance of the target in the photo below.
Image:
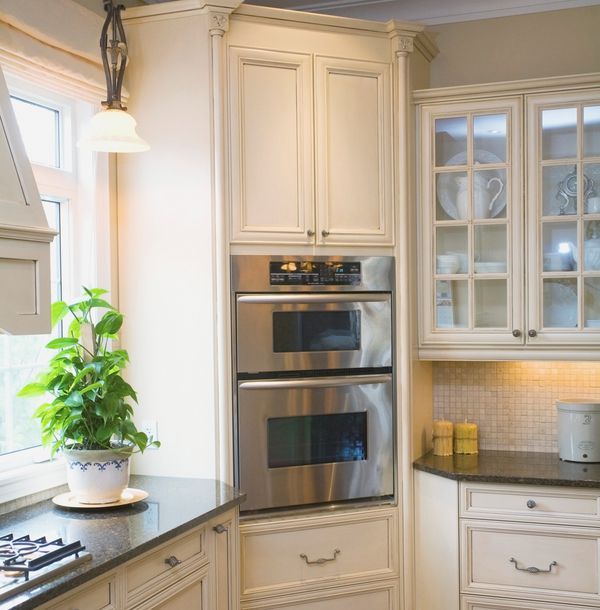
[271, 177]
[189, 594]
[353, 132]
[25, 281]
[225, 562]
[356, 598]
[99, 596]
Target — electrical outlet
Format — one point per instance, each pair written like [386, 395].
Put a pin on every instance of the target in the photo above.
[150, 428]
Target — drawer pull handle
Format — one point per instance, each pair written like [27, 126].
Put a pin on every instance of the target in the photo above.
[220, 528]
[172, 561]
[321, 560]
[533, 569]
[531, 504]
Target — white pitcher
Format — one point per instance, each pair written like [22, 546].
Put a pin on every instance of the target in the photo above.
[483, 196]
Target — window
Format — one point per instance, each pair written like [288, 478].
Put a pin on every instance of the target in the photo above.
[74, 190]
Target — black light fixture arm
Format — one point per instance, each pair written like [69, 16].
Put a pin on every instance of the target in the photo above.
[114, 54]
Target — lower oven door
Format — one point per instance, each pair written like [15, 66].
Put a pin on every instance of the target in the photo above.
[315, 440]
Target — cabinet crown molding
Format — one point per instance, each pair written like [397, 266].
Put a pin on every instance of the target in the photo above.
[508, 88]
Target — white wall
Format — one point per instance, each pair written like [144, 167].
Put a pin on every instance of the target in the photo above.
[165, 243]
[524, 46]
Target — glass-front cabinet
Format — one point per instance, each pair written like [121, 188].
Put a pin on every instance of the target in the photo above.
[564, 218]
[470, 212]
[509, 212]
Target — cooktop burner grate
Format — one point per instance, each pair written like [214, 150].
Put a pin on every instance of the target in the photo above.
[26, 562]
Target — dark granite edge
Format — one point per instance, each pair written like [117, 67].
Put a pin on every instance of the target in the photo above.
[488, 478]
[77, 580]
[512, 467]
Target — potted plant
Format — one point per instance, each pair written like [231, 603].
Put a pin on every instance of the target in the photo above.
[90, 418]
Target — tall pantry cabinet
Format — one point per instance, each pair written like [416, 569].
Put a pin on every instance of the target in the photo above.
[269, 129]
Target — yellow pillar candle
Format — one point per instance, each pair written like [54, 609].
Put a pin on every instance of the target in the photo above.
[442, 437]
[465, 438]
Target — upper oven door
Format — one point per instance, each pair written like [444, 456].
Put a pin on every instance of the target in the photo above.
[313, 331]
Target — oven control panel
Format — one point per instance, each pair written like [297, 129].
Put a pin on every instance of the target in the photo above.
[314, 273]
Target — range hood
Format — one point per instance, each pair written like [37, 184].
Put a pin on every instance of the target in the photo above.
[25, 237]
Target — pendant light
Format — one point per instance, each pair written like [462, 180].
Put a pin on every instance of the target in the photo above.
[113, 129]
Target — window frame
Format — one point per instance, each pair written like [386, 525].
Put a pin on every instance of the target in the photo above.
[83, 206]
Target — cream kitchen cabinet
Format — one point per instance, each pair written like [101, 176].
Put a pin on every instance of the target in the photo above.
[310, 131]
[346, 559]
[510, 227]
[24, 235]
[194, 571]
[507, 546]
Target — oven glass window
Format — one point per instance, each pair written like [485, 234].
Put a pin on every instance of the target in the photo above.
[316, 439]
[316, 331]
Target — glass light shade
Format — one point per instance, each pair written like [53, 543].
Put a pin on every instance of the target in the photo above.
[113, 130]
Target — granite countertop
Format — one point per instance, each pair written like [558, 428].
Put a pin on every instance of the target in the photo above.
[530, 468]
[113, 536]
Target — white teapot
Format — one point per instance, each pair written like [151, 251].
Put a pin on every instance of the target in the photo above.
[483, 194]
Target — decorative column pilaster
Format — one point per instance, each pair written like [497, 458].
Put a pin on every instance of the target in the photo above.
[403, 46]
[218, 25]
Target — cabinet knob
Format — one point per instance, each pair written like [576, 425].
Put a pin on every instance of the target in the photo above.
[310, 233]
[532, 333]
[516, 333]
[324, 233]
[220, 528]
[531, 504]
[172, 561]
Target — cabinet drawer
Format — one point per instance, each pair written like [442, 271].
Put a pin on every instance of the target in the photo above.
[311, 552]
[489, 603]
[533, 504]
[153, 571]
[494, 558]
[99, 596]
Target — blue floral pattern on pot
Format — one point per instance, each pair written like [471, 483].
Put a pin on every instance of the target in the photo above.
[83, 466]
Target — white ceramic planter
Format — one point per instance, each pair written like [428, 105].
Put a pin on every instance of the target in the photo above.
[97, 476]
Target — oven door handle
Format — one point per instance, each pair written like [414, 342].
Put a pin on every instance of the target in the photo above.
[314, 382]
[346, 297]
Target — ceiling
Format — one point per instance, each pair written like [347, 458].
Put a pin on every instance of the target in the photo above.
[428, 12]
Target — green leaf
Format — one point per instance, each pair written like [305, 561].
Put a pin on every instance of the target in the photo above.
[32, 389]
[92, 386]
[75, 399]
[110, 323]
[75, 329]
[99, 303]
[61, 342]
[58, 311]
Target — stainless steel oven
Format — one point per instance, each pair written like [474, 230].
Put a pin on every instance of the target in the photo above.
[314, 392]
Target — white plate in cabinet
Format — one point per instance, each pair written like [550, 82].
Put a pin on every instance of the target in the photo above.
[536, 562]
[313, 552]
[569, 505]
[99, 596]
[355, 598]
[489, 603]
[168, 564]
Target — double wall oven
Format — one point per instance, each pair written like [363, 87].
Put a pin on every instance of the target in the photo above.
[314, 392]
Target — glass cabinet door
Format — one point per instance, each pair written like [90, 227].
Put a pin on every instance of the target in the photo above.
[564, 218]
[470, 225]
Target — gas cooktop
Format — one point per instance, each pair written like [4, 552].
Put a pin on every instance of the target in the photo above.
[25, 563]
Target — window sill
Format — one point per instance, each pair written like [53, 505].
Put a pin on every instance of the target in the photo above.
[17, 483]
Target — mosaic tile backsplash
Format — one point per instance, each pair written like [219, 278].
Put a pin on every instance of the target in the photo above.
[514, 403]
